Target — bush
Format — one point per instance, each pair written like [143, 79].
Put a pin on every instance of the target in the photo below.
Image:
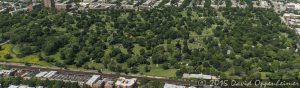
[20, 55]
[166, 66]
[147, 68]
[8, 56]
[134, 70]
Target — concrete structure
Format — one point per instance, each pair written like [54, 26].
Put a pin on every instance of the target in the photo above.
[41, 74]
[92, 80]
[126, 83]
[50, 74]
[49, 3]
[199, 76]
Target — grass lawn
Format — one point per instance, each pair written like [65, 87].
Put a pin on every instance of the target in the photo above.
[158, 71]
[32, 59]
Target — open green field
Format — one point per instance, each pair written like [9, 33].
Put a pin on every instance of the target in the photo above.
[32, 59]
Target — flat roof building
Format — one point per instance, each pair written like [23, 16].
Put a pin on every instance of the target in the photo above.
[126, 83]
[41, 74]
[49, 74]
[92, 80]
[293, 6]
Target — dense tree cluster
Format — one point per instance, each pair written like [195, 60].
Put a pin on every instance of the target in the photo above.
[238, 42]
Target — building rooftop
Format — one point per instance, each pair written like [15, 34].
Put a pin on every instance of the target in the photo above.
[294, 6]
[93, 79]
[51, 73]
[13, 86]
[126, 82]
[41, 74]
[298, 30]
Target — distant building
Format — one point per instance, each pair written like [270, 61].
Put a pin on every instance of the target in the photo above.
[104, 83]
[92, 80]
[292, 6]
[50, 74]
[298, 31]
[34, 7]
[126, 83]
[99, 84]
[10, 72]
[264, 4]
[62, 6]
[13, 86]
[41, 74]
[29, 74]
[109, 84]
[49, 3]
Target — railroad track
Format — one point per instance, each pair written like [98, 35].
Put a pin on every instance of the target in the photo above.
[165, 80]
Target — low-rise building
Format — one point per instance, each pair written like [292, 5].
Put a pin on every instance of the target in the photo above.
[34, 7]
[109, 84]
[41, 74]
[50, 74]
[99, 84]
[126, 83]
[61, 6]
[92, 80]
[10, 72]
[292, 6]
[297, 31]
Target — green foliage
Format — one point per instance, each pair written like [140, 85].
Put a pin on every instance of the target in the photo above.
[194, 40]
[8, 56]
